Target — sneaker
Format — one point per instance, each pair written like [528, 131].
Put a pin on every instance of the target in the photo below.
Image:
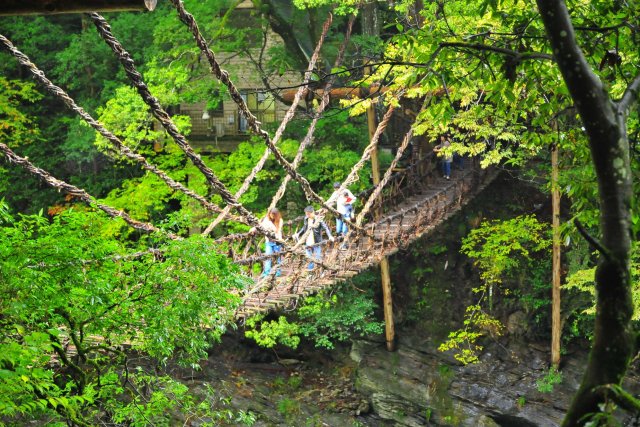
[447, 177]
[344, 248]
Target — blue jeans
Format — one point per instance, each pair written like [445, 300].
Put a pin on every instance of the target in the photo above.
[446, 168]
[341, 226]
[271, 248]
[314, 252]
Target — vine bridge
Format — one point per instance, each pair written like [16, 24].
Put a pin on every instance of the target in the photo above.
[402, 205]
[416, 202]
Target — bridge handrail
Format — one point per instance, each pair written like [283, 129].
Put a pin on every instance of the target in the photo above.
[363, 195]
[247, 249]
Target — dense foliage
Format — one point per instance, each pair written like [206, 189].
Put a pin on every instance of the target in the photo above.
[78, 288]
[75, 297]
[92, 311]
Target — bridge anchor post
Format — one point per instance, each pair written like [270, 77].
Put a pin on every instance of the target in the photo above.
[389, 326]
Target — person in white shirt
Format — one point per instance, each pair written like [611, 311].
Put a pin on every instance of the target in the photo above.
[344, 205]
[272, 222]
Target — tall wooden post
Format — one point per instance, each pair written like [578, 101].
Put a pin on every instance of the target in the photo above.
[384, 263]
[556, 328]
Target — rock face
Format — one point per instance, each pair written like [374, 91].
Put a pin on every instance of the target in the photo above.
[418, 386]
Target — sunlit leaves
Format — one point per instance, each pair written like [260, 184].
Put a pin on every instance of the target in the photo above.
[16, 128]
[70, 280]
[269, 333]
[499, 247]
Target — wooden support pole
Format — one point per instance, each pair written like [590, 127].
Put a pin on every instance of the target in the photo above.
[384, 263]
[389, 326]
[48, 7]
[556, 327]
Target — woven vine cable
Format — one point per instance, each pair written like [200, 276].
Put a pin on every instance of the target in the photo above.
[276, 138]
[318, 114]
[56, 91]
[79, 193]
[161, 115]
[366, 154]
[389, 172]
[253, 123]
[387, 176]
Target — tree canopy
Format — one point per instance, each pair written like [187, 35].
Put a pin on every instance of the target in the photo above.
[506, 79]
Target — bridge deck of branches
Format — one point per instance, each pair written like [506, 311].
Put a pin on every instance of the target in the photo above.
[417, 201]
[399, 208]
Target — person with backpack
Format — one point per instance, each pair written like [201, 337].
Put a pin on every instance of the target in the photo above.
[344, 205]
[313, 226]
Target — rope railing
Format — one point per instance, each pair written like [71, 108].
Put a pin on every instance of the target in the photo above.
[252, 121]
[317, 115]
[80, 194]
[115, 142]
[397, 193]
[388, 173]
[409, 220]
[165, 120]
[276, 138]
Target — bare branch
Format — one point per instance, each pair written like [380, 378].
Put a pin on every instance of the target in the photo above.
[630, 96]
[592, 240]
[503, 51]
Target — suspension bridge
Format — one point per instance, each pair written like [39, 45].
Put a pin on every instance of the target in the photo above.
[403, 204]
[418, 201]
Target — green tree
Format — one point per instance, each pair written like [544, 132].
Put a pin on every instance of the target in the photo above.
[505, 253]
[73, 298]
[506, 71]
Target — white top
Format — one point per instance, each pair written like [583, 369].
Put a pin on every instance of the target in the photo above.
[311, 224]
[341, 200]
[447, 156]
[270, 226]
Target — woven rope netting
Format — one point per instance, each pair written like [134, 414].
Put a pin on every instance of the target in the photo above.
[234, 209]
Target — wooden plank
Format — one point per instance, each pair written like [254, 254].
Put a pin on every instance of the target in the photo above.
[48, 7]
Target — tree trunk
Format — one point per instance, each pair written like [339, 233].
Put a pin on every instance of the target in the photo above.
[605, 124]
[556, 325]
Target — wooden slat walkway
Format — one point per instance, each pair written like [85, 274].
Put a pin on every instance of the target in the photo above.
[416, 216]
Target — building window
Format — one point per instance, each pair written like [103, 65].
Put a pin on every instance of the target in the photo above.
[262, 104]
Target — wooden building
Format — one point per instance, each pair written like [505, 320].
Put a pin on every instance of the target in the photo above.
[221, 129]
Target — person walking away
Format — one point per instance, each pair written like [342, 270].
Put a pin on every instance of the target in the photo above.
[272, 222]
[348, 205]
[344, 205]
[314, 238]
[447, 157]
